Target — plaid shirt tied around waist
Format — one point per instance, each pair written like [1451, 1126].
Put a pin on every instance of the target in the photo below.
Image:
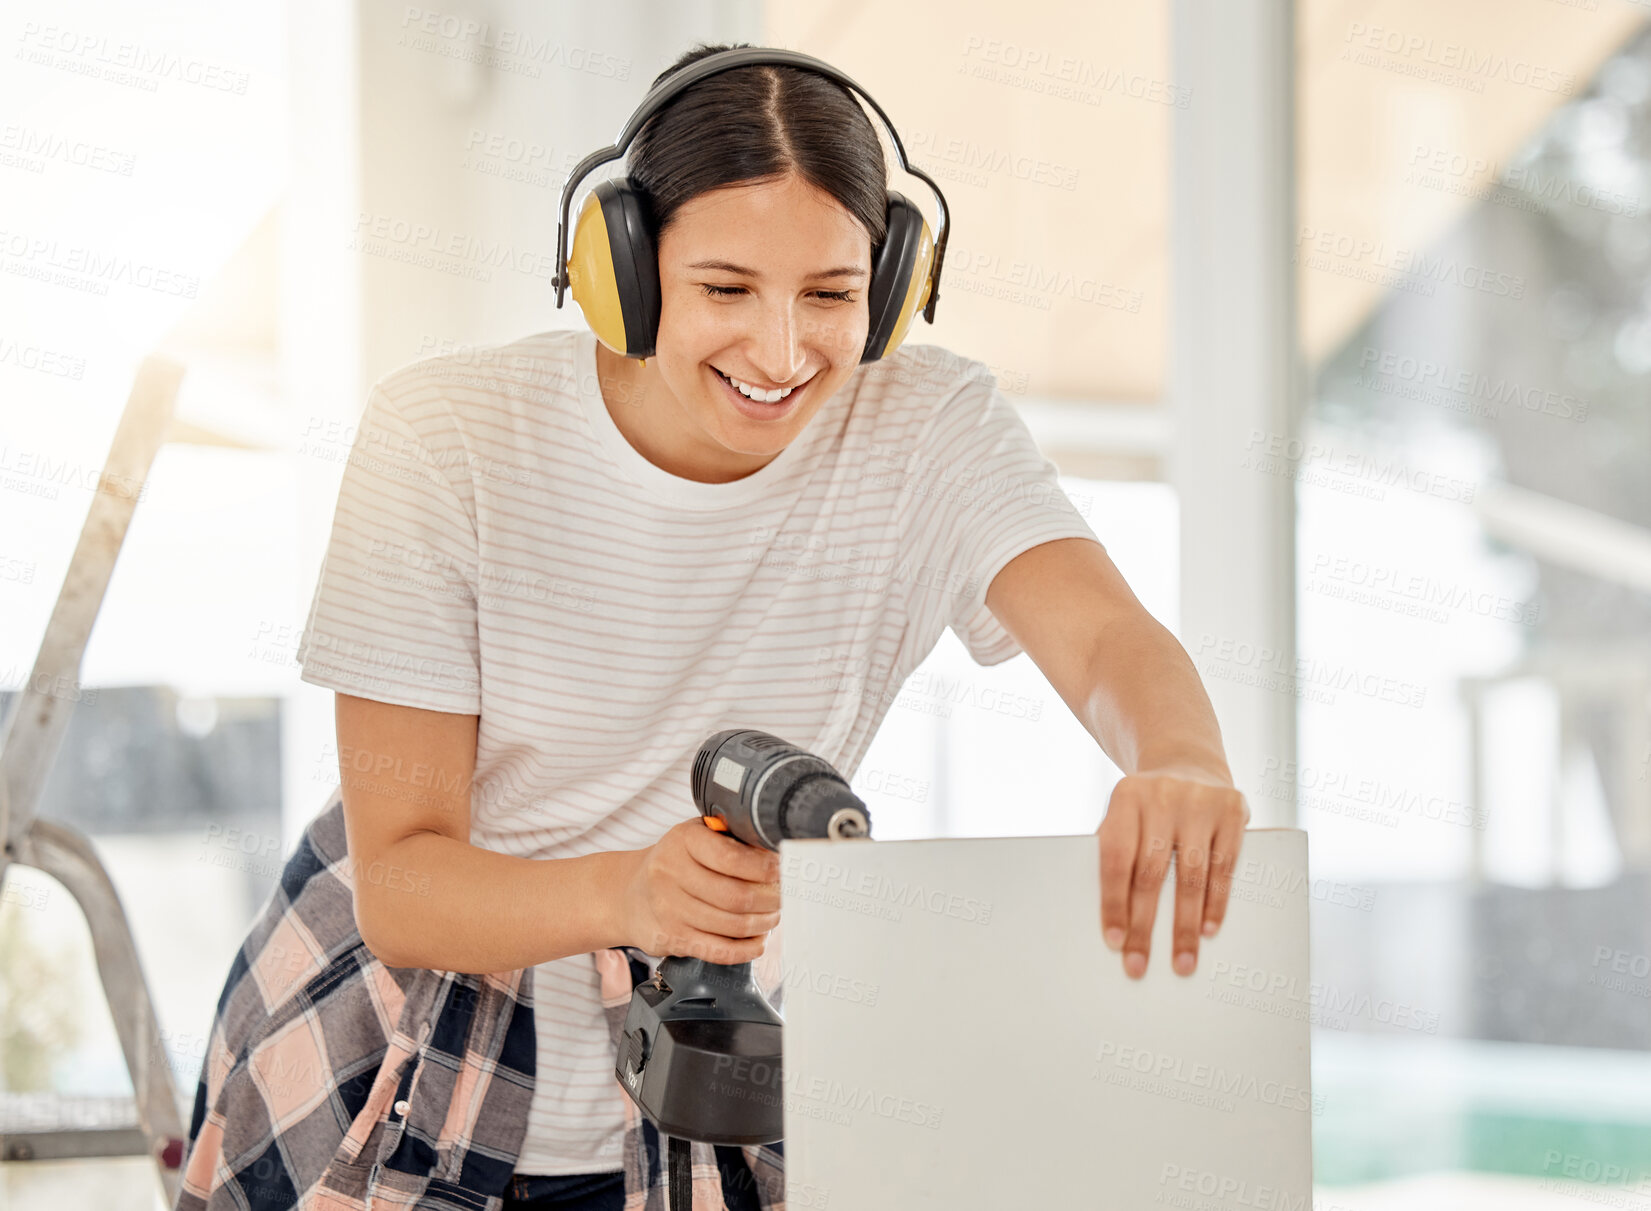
[332, 1082]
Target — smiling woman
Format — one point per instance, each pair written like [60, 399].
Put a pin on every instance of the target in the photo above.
[764, 250]
[746, 357]
[558, 565]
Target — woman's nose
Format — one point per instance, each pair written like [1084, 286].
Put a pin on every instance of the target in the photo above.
[778, 350]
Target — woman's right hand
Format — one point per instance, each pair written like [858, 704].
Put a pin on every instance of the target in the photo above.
[701, 893]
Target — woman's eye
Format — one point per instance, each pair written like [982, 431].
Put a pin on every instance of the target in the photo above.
[836, 296]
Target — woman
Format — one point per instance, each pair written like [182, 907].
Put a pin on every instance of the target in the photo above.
[554, 572]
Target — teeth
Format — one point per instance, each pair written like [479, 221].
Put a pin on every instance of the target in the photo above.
[757, 393]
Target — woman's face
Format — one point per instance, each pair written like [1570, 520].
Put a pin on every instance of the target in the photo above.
[766, 284]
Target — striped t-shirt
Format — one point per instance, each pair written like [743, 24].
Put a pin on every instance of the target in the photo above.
[500, 549]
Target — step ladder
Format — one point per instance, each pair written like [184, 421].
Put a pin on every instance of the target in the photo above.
[29, 742]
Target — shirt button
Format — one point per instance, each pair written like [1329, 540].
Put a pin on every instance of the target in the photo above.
[401, 1107]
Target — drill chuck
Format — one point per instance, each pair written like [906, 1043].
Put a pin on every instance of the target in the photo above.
[765, 790]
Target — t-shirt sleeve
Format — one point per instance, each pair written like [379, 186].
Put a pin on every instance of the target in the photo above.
[394, 612]
[978, 492]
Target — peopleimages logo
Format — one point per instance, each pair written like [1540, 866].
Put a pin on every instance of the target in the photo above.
[88, 269]
[1173, 1070]
[1321, 1004]
[1621, 971]
[430, 247]
[1356, 471]
[1041, 70]
[1409, 376]
[1041, 282]
[1613, 1184]
[1379, 260]
[502, 48]
[1202, 1190]
[32, 149]
[1520, 186]
[1361, 581]
[1321, 788]
[1445, 62]
[817, 1096]
[127, 63]
[1269, 668]
[973, 161]
[809, 874]
[40, 360]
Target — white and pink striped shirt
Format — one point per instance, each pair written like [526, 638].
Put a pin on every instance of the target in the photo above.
[500, 549]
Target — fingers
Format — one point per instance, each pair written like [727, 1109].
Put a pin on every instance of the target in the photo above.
[725, 925]
[687, 925]
[1192, 855]
[1151, 865]
[722, 853]
[1198, 822]
[1118, 833]
[1229, 835]
[716, 949]
[732, 907]
[716, 898]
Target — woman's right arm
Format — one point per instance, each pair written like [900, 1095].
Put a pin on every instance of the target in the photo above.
[426, 897]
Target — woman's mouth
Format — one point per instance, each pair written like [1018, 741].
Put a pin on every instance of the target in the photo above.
[756, 409]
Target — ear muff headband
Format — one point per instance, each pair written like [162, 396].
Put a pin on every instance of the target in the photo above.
[614, 266]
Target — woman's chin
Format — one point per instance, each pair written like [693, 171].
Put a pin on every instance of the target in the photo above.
[739, 438]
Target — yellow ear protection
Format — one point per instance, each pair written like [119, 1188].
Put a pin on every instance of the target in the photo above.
[613, 269]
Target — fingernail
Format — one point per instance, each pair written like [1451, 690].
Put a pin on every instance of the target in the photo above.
[1135, 963]
[1184, 963]
[1209, 929]
[1115, 938]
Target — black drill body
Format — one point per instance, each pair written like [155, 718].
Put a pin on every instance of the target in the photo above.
[701, 1052]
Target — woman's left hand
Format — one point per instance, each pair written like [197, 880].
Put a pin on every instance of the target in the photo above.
[1199, 816]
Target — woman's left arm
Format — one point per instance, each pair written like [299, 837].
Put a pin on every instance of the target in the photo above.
[1137, 692]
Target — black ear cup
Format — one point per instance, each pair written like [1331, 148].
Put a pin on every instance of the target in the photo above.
[635, 263]
[899, 269]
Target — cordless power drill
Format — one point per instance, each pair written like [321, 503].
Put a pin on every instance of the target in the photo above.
[701, 1049]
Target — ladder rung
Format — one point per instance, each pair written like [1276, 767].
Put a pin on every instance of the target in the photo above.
[73, 1144]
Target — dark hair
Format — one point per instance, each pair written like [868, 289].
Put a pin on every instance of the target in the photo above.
[755, 123]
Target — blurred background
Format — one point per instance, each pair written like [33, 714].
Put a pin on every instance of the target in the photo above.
[1335, 318]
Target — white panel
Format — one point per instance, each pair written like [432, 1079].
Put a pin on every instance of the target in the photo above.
[957, 1035]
